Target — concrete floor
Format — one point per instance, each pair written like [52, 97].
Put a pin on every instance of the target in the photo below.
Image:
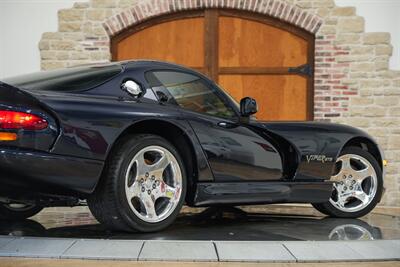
[274, 233]
[12, 262]
[262, 223]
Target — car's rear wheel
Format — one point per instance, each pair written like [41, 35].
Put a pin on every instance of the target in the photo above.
[143, 187]
[18, 211]
[358, 185]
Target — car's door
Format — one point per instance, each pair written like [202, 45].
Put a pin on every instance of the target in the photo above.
[235, 151]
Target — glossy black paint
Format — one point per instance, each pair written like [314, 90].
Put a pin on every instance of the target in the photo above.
[29, 172]
[13, 99]
[262, 193]
[235, 152]
[315, 138]
[225, 152]
[248, 106]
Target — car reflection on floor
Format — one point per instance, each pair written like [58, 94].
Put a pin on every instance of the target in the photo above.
[210, 224]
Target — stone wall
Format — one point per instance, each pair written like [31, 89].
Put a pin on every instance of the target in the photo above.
[353, 84]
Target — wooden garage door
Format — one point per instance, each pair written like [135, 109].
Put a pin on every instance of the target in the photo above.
[247, 54]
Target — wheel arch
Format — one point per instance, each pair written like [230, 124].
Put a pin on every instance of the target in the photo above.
[368, 145]
[173, 133]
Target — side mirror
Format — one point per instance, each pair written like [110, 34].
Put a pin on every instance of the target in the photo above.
[248, 106]
[132, 88]
[162, 97]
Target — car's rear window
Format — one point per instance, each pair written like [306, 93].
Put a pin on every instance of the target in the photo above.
[70, 79]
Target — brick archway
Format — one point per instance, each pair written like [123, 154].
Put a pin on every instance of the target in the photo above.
[274, 8]
[246, 53]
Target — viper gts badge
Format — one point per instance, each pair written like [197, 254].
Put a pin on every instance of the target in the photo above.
[320, 158]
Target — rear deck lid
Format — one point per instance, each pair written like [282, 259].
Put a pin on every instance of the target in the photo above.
[66, 80]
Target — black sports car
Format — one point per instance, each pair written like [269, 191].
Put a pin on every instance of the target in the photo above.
[139, 139]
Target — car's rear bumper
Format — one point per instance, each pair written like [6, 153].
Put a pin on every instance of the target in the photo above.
[27, 171]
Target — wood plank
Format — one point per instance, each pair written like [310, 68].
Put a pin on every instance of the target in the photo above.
[254, 70]
[172, 41]
[279, 97]
[247, 43]
[211, 43]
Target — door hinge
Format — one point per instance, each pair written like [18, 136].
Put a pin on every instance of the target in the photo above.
[305, 70]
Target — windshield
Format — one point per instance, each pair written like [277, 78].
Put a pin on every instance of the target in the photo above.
[70, 79]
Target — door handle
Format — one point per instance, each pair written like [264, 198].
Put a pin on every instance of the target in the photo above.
[227, 125]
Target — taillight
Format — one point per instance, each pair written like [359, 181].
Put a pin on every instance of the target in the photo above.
[20, 120]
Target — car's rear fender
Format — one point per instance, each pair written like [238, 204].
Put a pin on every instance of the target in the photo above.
[14, 99]
[90, 125]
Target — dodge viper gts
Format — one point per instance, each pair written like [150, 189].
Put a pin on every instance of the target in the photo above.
[138, 139]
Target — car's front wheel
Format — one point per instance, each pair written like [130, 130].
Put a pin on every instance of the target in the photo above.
[358, 185]
[18, 211]
[143, 187]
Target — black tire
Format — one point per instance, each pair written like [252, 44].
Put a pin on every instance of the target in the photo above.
[9, 213]
[21, 228]
[330, 210]
[320, 208]
[109, 204]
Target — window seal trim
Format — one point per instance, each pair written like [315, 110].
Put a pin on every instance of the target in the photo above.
[221, 95]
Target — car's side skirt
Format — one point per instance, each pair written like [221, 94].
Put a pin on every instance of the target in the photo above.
[244, 193]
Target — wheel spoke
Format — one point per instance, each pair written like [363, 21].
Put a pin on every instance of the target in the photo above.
[167, 191]
[341, 201]
[149, 206]
[159, 166]
[341, 233]
[362, 196]
[170, 192]
[362, 174]
[133, 190]
[346, 166]
[141, 164]
[336, 177]
[337, 187]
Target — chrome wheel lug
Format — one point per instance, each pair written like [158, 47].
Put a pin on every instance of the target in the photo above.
[149, 191]
[344, 176]
[353, 182]
[147, 174]
[143, 189]
[158, 183]
[345, 188]
[351, 188]
[141, 181]
[350, 176]
[153, 177]
[154, 186]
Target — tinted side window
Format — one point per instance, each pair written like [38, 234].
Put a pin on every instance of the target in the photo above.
[191, 92]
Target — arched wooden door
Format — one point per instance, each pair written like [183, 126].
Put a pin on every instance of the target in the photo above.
[247, 54]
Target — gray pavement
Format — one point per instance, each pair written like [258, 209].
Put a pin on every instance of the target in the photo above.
[164, 250]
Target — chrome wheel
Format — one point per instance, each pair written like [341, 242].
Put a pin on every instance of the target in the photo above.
[153, 184]
[350, 232]
[355, 183]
